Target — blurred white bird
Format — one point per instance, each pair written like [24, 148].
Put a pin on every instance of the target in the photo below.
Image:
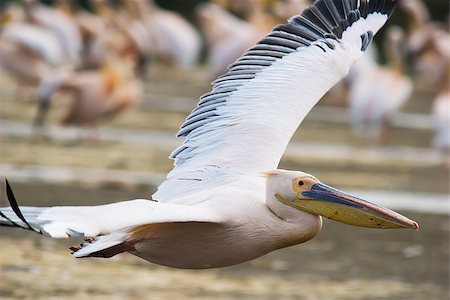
[38, 41]
[27, 52]
[285, 9]
[223, 203]
[21, 63]
[428, 45]
[63, 28]
[94, 35]
[378, 93]
[227, 36]
[34, 44]
[368, 63]
[112, 31]
[96, 95]
[441, 119]
[172, 39]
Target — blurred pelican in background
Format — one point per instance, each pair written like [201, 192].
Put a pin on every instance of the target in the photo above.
[224, 202]
[60, 24]
[171, 38]
[39, 42]
[367, 64]
[378, 93]
[116, 30]
[227, 36]
[255, 12]
[428, 44]
[36, 40]
[27, 51]
[31, 51]
[136, 44]
[283, 10]
[339, 95]
[441, 119]
[93, 30]
[96, 95]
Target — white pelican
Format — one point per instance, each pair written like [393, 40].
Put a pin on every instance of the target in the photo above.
[285, 9]
[28, 52]
[378, 93]
[441, 119]
[96, 95]
[257, 13]
[173, 38]
[227, 36]
[38, 41]
[223, 203]
[18, 63]
[63, 28]
[113, 30]
[428, 44]
[367, 63]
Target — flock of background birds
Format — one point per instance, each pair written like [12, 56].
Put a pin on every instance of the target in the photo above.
[100, 58]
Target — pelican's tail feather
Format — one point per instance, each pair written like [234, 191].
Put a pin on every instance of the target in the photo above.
[56, 222]
[103, 246]
[105, 228]
[28, 217]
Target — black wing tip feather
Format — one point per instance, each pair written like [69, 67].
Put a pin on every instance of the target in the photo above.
[336, 15]
[15, 207]
[9, 192]
[11, 197]
[325, 19]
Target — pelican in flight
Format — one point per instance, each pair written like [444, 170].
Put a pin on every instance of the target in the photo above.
[225, 202]
[377, 92]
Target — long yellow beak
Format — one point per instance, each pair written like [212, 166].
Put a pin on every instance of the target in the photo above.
[339, 206]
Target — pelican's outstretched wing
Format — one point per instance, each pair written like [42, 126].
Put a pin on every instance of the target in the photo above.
[91, 221]
[244, 124]
[108, 227]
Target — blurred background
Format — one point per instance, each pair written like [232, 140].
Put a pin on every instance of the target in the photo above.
[92, 94]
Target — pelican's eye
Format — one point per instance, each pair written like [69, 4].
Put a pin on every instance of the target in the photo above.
[302, 184]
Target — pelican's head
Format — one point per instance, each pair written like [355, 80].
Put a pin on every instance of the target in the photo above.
[306, 193]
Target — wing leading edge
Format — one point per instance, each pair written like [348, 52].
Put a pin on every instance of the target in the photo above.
[245, 123]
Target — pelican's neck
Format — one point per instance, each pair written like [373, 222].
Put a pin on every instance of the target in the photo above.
[298, 226]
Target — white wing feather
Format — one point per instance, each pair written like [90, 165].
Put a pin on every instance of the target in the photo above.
[249, 126]
[91, 221]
